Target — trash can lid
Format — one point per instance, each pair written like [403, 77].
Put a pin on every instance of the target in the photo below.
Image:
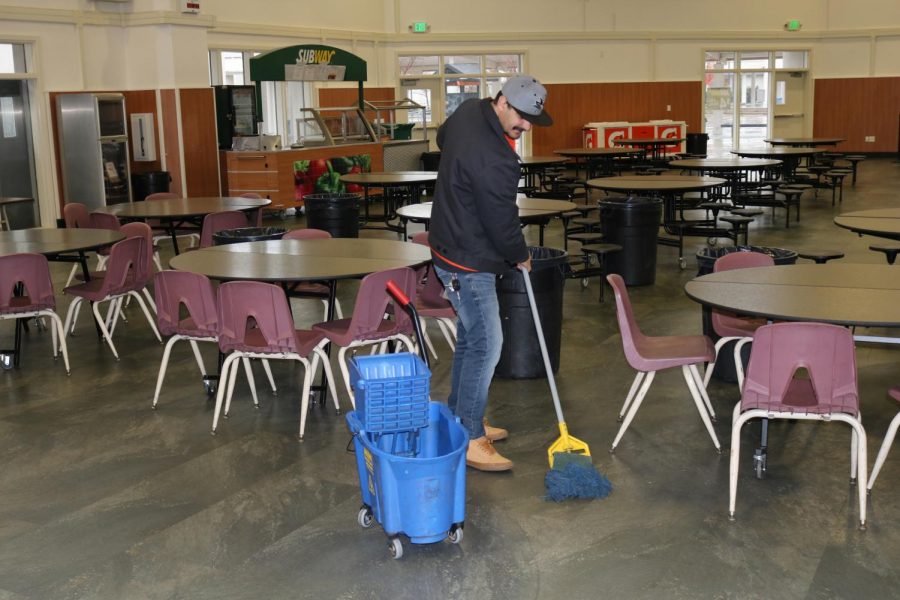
[250, 234]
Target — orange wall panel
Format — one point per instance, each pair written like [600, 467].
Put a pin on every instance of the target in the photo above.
[201, 149]
[854, 108]
[572, 105]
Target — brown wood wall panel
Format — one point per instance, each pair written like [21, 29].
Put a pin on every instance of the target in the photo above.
[854, 108]
[173, 142]
[574, 104]
[201, 149]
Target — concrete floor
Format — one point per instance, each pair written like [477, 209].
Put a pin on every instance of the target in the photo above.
[101, 497]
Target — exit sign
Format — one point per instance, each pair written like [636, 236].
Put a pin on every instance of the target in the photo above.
[190, 6]
[793, 25]
[420, 27]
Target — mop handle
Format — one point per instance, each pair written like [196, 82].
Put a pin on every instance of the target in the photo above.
[544, 353]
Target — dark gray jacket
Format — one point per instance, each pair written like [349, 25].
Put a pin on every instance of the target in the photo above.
[474, 220]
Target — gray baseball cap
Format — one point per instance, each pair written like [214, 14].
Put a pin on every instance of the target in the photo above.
[527, 96]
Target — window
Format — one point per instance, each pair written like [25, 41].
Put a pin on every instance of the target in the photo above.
[281, 100]
[12, 58]
[443, 82]
[742, 89]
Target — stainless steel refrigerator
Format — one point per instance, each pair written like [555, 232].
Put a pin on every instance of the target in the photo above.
[93, 141]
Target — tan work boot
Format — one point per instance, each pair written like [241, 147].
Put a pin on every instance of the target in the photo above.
[481, 455]
[495, 434]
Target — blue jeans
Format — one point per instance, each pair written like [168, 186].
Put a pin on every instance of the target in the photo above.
[478, 344]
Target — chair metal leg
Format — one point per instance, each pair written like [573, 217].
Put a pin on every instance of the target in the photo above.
[638, 378]
[885, 448]
[268, 370]
[635, 405]
[162, 367]
[698, 400]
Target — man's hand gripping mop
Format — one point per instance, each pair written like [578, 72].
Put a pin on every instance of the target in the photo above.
[571, 474]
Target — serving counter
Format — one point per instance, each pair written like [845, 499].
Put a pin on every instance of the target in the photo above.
[284, 176]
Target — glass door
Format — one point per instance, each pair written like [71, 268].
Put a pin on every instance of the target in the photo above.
[16, 153]
[719, 111]
[753, 116]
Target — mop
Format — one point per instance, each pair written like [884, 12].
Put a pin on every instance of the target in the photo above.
[571, 474]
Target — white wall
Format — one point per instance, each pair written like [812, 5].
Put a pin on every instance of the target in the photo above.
[149, 44]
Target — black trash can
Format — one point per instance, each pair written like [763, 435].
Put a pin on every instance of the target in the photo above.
[247, 234]
[706, 258]
[151, 182]
[696, 143]
[520, 357]
[338, 214]
[632, 223]
[431, 161]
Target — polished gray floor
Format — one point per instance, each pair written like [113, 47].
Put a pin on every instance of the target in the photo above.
[101, 497]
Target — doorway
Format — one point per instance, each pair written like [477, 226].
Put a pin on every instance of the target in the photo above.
[17, 178]
[789, 112]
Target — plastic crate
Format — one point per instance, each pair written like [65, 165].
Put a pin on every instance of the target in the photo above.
[392, 392]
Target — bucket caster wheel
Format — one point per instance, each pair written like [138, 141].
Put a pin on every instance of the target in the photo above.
[759, 464]
[210, 386]
[364, 517]
[584, 283]
[455, 535]
[395, 547]
[6, 361]
[682, 263]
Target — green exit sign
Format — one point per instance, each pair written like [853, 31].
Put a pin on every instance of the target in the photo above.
[793, 25]
[419, 27]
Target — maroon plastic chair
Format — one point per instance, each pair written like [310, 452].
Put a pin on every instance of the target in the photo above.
[127, 271]
[888, 440]
[256, 215]
[175, 290]
[368, 324]
[431, 303]
[313, 289]
[101, 220]
[255, 321]
[76, 216]
[219, 221]
[731, 327]
[647, 355]
[36, 299]
[772, 390]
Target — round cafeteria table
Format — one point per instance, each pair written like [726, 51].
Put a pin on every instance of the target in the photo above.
[653, 146]
[531, 211]
[533, 168]
[284, 261]
[394, 184]
[667, 187]
[176, 212]
[789, 156]
[61, 245]
[731, 169]
[839, 293]
[599, 161]
[879, 222]
[805, 141]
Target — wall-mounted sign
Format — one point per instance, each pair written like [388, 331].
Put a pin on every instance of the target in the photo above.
[419, 27]
[190, 6]
[793, 25]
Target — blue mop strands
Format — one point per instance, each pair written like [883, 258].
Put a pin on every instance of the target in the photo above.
[574, 476]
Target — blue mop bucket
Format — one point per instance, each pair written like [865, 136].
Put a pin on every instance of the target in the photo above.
[414, 481]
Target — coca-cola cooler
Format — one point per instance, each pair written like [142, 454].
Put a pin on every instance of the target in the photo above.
[671, 129]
